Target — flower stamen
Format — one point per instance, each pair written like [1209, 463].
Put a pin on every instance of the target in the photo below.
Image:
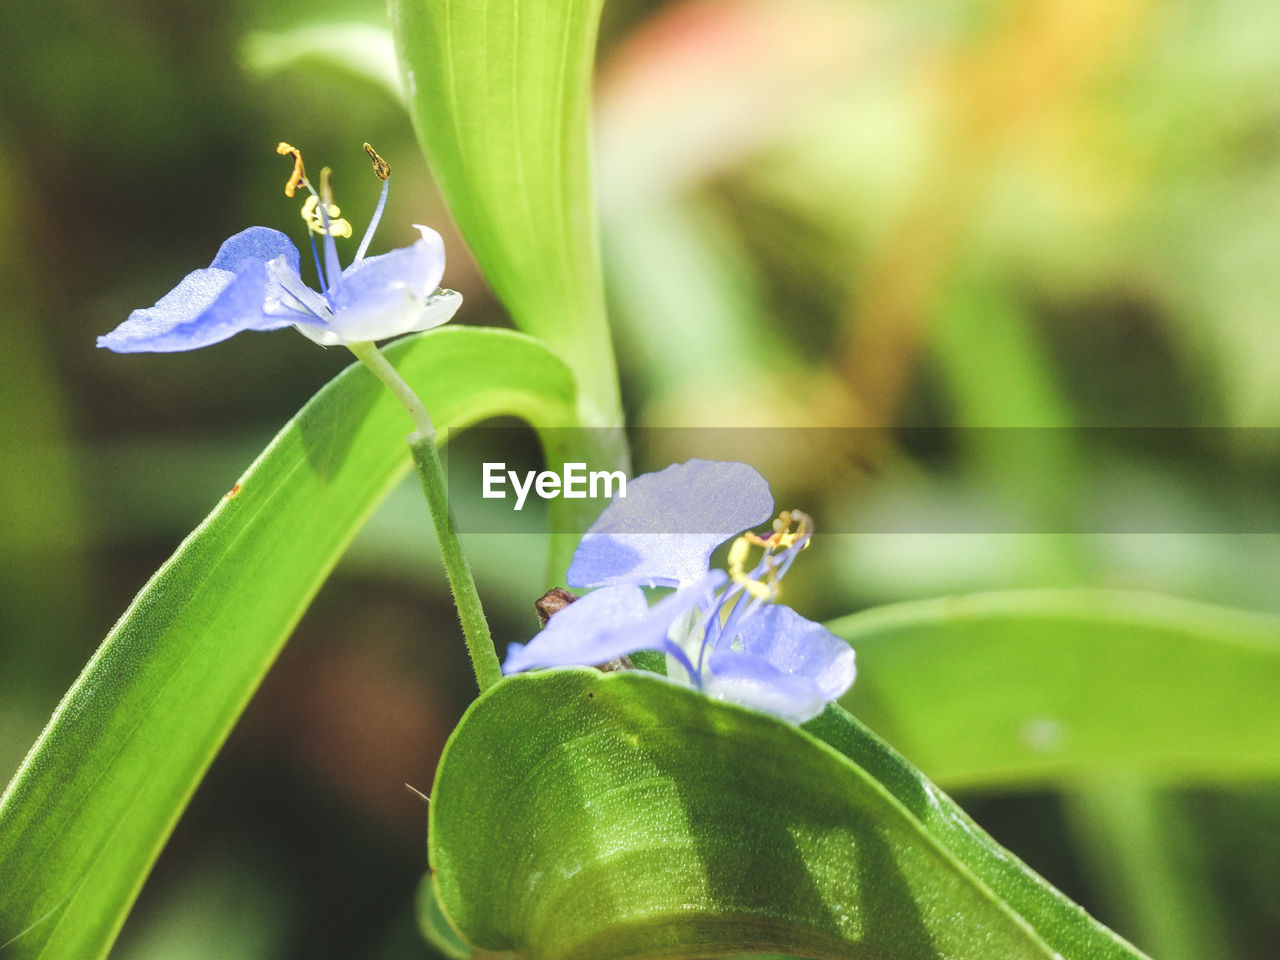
[298, 178]
[329, 222]
[324, 200]
[792, 531]
[381, 169]
[783, 536]
[759, 589]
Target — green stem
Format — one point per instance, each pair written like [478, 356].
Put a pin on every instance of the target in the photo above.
[369, 354]
[484, 661]
[422, 442]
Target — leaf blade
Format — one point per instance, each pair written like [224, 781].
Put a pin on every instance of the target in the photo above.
[638, 818]
[1036, 687]
[88, 811]
[500, 96]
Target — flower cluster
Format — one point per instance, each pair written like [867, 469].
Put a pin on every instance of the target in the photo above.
[722, 631]
[254, 283]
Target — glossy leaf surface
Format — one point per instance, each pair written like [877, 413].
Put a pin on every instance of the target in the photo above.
[581, 814]
[98, 795]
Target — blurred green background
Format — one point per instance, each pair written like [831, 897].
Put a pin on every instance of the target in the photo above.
[1051, 214]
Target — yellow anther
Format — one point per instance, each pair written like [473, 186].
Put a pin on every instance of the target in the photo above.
[326, 185]
[381, 169]
[803, 530]
[299, 175]
[316, 223]
[783, 536]
[738, 556]
[790, 528]
[738, 551]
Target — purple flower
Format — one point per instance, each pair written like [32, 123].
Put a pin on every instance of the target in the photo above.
[254, 283]
[722, 633]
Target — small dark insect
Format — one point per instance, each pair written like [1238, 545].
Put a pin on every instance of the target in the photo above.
[552, 602]
[555, 600]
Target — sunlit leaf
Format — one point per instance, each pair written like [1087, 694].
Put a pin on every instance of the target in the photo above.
[500, 96]
[96, 798]
[579, 814]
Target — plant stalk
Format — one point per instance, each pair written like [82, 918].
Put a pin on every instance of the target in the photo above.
[422, 443]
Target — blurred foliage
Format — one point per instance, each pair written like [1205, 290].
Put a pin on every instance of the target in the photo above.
[1061, 213]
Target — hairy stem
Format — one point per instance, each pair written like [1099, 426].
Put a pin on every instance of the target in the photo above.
[422, 442]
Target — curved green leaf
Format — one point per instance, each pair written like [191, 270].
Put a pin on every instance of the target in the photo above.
[595, 815]
[93, 803]
[500, 96]
[433, 925]
[1022, 688]
[361, 50]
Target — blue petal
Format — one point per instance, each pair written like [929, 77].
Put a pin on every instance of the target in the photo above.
[800, 647]
[753, 682]
[212, 304]
[256, 244]
[663, 531]
[786, 665]
[608, 623]
[654, 632]
[386, 296]
[575, 635]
